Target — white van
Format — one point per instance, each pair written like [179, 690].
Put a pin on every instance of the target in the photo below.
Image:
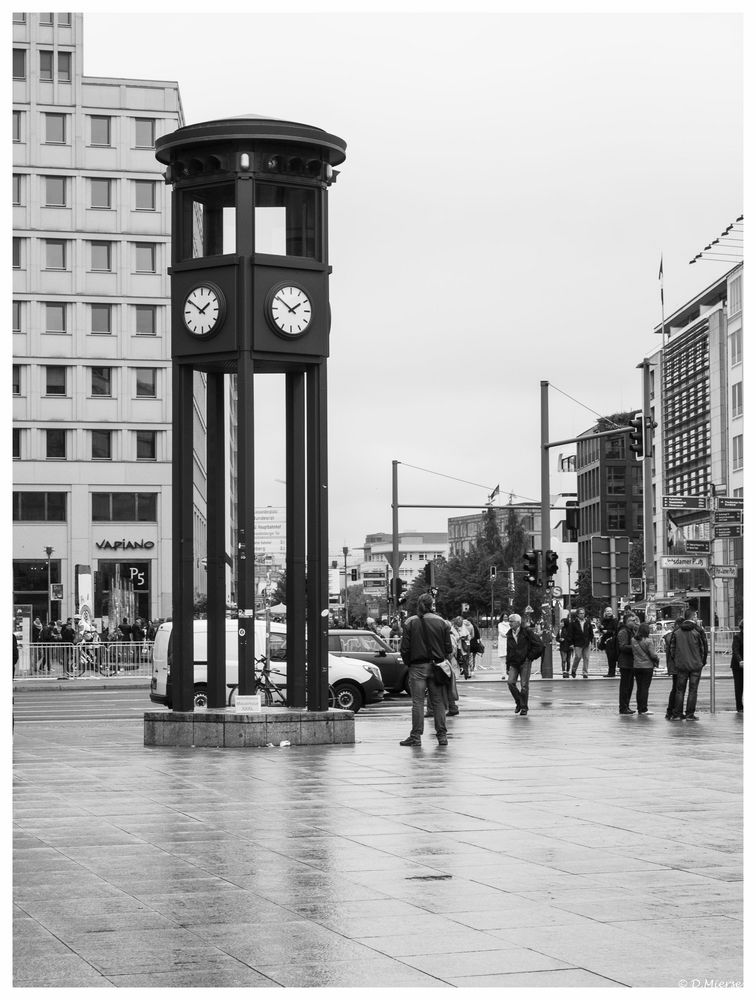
[352, 682]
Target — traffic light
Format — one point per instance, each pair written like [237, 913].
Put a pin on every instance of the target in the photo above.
[552, 564]
[636, 435]
[399, 588]
[354, 574]
[492, 573]
[427, 574]
[531, 558]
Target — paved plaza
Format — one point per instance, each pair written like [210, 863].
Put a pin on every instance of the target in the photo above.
[571, 848]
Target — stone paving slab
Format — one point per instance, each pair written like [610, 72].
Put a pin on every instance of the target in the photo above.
[569, 849]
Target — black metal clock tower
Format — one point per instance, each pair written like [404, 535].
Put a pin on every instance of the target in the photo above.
[249, 269]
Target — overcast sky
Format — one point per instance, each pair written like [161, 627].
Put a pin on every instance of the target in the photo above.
[510, 183]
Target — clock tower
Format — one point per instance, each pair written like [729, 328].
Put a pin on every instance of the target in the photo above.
[249, 293]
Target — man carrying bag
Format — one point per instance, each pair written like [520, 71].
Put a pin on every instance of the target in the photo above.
[426, 638]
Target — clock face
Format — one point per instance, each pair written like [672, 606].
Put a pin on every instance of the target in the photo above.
[290, 310]
[203, 310]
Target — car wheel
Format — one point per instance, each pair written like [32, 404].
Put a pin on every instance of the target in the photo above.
[200, 695]
[347, 696]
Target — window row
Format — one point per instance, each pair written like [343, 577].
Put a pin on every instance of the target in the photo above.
[46, 65]
[737, 453]
[57, 255]
[48, 18]
[32, 506]
[57, 128]
[736, 347]
[102, 318]
[101, 191]
[101, 444]
[101, 381]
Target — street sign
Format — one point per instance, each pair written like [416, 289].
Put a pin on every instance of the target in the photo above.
[389, 556]
[728, 517]
[728, 530]
[698, 545]
[528, 610]
[729, 503]
[684, 562]
[556, 591]
[724, 572]
[685, 503]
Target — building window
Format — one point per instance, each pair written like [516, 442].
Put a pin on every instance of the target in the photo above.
[17, 317]
[615, 447]
[124, 506]
[736, 347]
[144, 133]
[615, 517]
[46, 18]
[100, 316]
[19, 64]
[17, 380]
[39, 507]
[735, 298]
[615, 481]
[145, 258]
[17, 252]
[636, 478]
[17, 133]
[16, 442]
[737, 399]
[19, 18]
[144, 196]
[99, 130]
[146, 446]
[99, 193]
[17, 189]
[65, 20]
[102, 382]
[55, 192]
[64, 67]
[56, 443]
[146, 382]
[55, 255]
[45, 64]
[55, 317]
[146, 325]
[101, 446]
[55, 127]
[55, 380]
[101, 259]
[737, 452]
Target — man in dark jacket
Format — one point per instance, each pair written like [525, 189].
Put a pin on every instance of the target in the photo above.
[582, 637]
[523, 646]
[426, 637]
[690, 651]
[671, 669]
[608, 641]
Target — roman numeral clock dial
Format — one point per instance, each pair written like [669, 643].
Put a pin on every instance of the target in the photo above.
[289, 310]
[204, 308]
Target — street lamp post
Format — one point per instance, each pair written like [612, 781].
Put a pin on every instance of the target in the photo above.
[345, 550]
[568, 560]
[48, 552]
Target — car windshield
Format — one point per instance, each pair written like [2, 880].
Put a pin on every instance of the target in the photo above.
[362, 644]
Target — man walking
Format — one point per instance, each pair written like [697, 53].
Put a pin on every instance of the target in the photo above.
[523, 646]
[582, 637]
[690, 650]
[426, 637]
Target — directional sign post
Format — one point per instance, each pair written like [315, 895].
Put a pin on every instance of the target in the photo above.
[724, 572]
[685, 503]
[685, 562]
[728, 517]
[729, 503]
[702, 545]
[728, 530]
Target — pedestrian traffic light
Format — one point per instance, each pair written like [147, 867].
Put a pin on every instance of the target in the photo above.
[399, 587]
[427, 574]
[531, 558]
[636, 435]
[552, 564]
[354, 574]
[492, 573]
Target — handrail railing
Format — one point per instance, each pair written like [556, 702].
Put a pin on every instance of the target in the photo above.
[66, 659]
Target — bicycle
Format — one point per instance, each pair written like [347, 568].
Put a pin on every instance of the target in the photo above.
[270, 693]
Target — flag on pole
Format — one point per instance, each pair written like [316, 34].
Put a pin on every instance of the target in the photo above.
[661, 282]
[495, 493]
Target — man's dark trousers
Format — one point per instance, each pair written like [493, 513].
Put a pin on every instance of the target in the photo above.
[625, 688]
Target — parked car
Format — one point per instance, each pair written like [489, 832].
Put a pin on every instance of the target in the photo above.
[354, 683]
[366, 645]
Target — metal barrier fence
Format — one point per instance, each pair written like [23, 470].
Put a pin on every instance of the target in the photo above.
[64, 659]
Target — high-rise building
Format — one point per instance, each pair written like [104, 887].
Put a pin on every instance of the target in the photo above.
[91, 334]
[697, 403]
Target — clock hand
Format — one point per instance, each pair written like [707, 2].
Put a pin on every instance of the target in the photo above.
[283, 302]
[203, 308]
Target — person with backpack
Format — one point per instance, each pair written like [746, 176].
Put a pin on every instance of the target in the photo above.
[690, 651]
[523, 646]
